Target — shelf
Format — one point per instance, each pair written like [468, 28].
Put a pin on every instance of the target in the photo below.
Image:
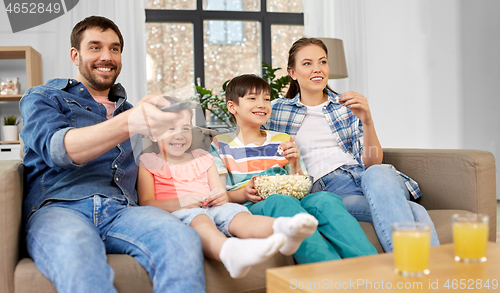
[10, 142]
[13, 98]
[33, 65]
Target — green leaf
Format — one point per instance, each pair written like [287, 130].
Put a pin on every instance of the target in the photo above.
[10, 120]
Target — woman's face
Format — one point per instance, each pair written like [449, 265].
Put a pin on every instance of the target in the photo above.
[311, 69]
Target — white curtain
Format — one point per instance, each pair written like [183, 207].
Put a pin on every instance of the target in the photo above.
[52, 40]
[345, 20]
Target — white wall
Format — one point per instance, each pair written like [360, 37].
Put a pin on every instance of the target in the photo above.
[480, 77]
[434, 73]
[414, 63]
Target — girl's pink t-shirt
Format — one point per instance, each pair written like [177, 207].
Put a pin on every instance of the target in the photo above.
[175, 181]
[110, 106]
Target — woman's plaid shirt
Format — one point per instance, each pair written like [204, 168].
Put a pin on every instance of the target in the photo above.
[287, 116]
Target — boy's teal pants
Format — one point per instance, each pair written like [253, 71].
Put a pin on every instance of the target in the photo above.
[338, 235]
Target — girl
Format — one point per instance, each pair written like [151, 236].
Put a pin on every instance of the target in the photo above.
[187, 185]
[336, 135]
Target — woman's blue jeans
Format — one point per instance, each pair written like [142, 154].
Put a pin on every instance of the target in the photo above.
[376, 195]
[69, 241]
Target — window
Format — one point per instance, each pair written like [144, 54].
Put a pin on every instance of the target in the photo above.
[207, 42]
[225, 32]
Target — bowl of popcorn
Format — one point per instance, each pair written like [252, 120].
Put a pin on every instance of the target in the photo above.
[296, 186]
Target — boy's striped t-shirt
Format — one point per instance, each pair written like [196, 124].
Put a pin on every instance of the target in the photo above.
[240, 162]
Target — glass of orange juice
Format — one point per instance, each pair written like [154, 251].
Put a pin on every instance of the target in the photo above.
[470, 235]
[412, 243]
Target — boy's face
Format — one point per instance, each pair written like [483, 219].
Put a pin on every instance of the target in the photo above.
[252, 109]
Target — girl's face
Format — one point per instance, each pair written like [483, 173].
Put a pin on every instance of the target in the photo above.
[311, 69]
[178, 138]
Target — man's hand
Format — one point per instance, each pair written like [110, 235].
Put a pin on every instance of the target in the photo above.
[146, 119]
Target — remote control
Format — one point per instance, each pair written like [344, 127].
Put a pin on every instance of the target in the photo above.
[176, 107]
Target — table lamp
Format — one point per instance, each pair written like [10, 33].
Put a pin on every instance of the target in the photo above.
[336, 58]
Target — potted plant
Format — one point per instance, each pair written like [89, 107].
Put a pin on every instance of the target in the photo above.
[216, 104]
[9, 128]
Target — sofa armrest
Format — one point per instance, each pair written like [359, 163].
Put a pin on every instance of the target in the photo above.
[11, 197]
[450, 179]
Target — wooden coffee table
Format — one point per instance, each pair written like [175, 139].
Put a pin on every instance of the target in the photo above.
[376, 274]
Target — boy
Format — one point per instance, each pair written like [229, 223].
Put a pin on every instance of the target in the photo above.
[250, 152]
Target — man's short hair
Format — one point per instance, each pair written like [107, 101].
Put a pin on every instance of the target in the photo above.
[91, 22]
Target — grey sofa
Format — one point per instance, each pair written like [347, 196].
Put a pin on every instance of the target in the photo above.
[451, 181]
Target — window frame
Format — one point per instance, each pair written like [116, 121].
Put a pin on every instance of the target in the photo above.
[198, 16]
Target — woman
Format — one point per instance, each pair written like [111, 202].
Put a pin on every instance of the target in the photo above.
[337, 139]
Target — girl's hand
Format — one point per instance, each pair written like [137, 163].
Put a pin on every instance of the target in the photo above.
[191, 200]
[217, 197]
[358, 104]
[250, 192]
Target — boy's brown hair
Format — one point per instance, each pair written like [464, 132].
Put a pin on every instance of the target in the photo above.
[241, 85]
[91, 22]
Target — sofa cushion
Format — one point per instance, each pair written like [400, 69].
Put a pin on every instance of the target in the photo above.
[130, 277]
[442, 222]
[11, 190]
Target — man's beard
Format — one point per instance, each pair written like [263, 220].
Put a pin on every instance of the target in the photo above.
[97, 83]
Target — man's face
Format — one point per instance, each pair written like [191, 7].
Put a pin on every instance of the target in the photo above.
[98, 60]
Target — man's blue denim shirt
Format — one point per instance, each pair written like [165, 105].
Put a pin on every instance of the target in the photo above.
[51, 110]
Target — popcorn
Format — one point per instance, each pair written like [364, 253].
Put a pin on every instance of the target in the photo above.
[292, 185]
[280, 151]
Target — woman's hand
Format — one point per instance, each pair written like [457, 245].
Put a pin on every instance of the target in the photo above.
[250, 192]
[358, 104]
[217, 197]
[291, 152]
[372, 150]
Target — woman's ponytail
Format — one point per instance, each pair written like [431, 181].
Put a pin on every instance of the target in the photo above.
[293, 89]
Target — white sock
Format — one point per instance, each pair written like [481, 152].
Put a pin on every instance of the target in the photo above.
[296, 229]
[239, 255]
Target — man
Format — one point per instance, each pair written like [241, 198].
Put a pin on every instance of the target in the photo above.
[81, 203]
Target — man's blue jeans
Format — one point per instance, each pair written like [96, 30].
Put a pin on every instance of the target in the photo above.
[69, 241]
[376, 195]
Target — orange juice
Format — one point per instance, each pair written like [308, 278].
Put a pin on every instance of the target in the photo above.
[411, 251]
[470, 240]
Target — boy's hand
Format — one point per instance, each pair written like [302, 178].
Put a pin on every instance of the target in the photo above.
[217, 197]
[191, 200]
[250, 192]
[291, 152]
